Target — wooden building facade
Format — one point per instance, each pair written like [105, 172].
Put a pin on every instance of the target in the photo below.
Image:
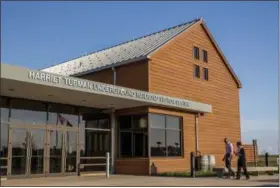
[171, 70]
[150, 102]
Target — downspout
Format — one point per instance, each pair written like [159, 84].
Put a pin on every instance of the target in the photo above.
[113, 126]
[196, 133]
[115, 75]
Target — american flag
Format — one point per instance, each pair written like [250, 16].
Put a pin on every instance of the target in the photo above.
[60, 119]
[63, 121]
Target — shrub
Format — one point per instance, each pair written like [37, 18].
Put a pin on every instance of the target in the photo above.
[188, 174]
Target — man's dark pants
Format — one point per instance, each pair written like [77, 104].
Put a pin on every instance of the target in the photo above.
[242, 164]
[228, 165]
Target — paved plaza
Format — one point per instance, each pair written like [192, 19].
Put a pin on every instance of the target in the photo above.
[128, 180]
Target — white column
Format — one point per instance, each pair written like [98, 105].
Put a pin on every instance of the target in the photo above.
[113, 130]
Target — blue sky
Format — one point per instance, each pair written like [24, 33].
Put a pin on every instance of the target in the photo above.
[39, 34]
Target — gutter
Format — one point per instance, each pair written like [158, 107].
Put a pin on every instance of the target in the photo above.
[111, 65]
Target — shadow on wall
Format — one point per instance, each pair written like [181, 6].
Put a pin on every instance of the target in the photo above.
[153, 169]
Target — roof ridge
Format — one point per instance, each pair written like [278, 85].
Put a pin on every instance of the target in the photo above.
[162, 30]
[103, 49]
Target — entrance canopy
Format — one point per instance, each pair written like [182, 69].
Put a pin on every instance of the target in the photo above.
[38, 85]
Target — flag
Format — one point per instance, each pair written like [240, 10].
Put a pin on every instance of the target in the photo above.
[63, 121]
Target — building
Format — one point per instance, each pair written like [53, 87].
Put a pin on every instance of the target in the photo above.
[149, 102]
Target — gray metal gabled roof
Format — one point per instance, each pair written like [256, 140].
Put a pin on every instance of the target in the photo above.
[123, 53]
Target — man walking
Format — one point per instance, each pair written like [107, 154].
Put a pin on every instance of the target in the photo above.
[241, 163]
[228, 156]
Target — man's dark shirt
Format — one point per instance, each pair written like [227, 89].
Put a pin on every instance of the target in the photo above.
[242, 156]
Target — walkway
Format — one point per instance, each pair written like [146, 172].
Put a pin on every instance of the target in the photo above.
[127, 180]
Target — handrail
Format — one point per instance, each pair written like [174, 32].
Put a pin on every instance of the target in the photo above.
[93, 164]
[107, 164]
[92, 157]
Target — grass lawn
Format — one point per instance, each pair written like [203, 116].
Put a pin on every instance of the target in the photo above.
[272, 161]
[188, 174]
[207, 174]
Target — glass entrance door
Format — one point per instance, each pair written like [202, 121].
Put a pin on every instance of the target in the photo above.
[37, 143]
[56, 154]
[71, 143]
[61, 152]
[27, 150]
[19, 146]
[42, 151]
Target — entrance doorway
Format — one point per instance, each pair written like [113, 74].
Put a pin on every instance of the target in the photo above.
[36, 150]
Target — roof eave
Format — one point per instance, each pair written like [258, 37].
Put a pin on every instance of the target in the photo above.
[238, 82]
[111, 66]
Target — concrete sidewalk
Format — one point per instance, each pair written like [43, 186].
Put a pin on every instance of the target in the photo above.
[127, 180]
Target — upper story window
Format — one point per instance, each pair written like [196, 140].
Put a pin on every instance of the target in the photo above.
[196, 52]
[204, 56]
[205, 71]
[196, 71]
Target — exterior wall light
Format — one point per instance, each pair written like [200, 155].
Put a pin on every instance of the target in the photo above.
[143, 123]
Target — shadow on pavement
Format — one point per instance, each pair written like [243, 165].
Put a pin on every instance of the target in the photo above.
[269, 180]
[268, 185]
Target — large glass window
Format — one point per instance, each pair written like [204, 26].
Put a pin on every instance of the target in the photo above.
[133, 139]
[4, 106]
[86, 120]
[165, 135]
[60, 114]
[94, 134]
[95, 139]
[28, 112]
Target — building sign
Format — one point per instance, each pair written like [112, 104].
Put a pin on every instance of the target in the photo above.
[105, 88]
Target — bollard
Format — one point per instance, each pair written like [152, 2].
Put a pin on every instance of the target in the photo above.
[278, 164]
[79, 169]
[107, 165]
[255, 151]
[192, 165]
[266, 159]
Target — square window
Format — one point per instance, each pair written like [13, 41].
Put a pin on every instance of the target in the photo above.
[204, 56]
[196, 71]
[196, 52]
[205, 71]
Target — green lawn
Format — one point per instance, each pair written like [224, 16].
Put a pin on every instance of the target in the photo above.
[188, 174]
[208, 174]
[272, 161]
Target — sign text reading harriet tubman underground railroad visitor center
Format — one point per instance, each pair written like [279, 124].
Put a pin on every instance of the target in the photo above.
[104, 88]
